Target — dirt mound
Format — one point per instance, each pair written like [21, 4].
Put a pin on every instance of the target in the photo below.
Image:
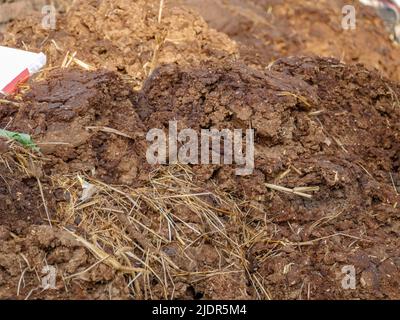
[324, 193]
[130, 40]
[124, 36]
[266, 30]
[318, 123]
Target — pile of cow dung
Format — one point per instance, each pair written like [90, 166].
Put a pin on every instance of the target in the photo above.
[112, 226]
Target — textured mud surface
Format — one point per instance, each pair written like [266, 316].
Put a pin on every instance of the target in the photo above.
[125, 37]
[313, 132]
[330, 131]
[18, 194]
[17, 9]
[318, 122]
[266, 30]
[70, 115]
[26, 250]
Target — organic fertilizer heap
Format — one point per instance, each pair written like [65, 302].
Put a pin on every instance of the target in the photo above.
[323, 194]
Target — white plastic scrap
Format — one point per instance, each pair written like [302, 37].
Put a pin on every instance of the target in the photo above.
[88, 190]
[17, 66]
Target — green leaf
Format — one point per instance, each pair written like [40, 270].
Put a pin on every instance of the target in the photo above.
[22, 138]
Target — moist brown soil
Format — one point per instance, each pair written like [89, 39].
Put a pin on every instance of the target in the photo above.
[124, 37]
[15, 9]
[350, 150]
[68, 114]
[32, 247]
[355, 210]
[266, 30]
[318, 122]
[18, 194]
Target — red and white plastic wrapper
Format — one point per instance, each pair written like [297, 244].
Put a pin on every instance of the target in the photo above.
[16, 66]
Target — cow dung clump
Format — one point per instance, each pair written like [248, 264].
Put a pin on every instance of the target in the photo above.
[323, 194]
